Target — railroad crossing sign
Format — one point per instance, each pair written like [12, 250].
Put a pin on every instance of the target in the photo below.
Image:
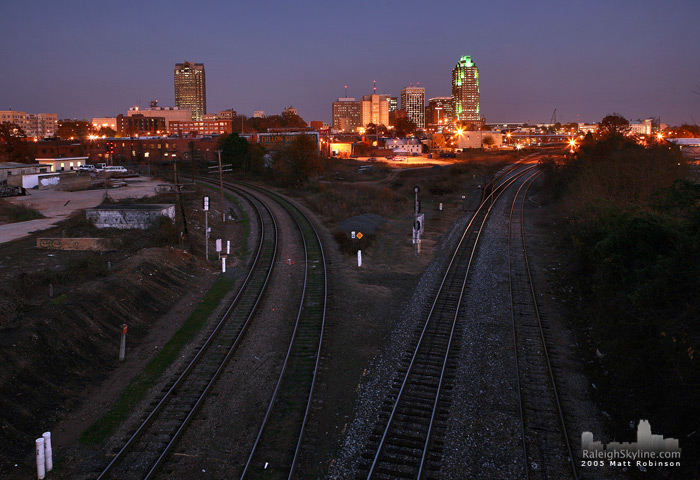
[359, 235]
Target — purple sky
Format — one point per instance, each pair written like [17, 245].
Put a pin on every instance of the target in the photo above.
[586, 59]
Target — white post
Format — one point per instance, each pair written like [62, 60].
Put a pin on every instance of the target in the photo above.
[218, 246]
[223, 264]
[228, 247]
[441, 206]
[40, 462]
[122, 345]
[359, 258]
[48, 451]
[206, 228]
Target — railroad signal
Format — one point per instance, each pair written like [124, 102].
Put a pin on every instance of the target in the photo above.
[206, 203]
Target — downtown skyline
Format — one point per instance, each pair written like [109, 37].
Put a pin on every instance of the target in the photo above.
[82, 60]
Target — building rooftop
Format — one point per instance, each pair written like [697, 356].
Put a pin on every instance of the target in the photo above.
[8, 165]
[685, 142]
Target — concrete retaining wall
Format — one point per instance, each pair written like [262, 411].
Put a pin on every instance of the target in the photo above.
[129, 216]
[94, 244]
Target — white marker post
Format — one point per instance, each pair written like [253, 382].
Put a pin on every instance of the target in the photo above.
[206, 228]
[223, 264]
[40, 459]
[359, 258]
[122, 345]
[48, 451]
[218, 246]
[228, 247]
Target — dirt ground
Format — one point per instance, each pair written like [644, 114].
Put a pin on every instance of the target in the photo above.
[60, 352]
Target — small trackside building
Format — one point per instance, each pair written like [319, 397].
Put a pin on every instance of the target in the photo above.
[65, 164]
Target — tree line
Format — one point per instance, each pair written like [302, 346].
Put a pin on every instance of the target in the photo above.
[634, 229]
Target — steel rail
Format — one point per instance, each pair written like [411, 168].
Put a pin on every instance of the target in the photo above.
[486, 211]
[298, 216]
[204, 348]
[527, 184]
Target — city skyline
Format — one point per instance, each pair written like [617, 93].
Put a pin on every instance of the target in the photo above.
[82, 60]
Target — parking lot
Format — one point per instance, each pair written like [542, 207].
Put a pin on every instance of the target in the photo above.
[56, 205]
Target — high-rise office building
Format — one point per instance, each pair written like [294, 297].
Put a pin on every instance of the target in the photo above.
[347, 114]
[191, 88]
[465, 90]
[413, 103]
[440, 111]
[375, 109]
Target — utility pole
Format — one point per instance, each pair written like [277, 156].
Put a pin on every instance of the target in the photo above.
[221, 183]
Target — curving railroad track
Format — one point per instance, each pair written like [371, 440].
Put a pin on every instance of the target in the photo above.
[280, 439]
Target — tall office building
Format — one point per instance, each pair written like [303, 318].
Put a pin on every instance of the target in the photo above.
[191, 88]
[465, 90]
[347, 114]
[413, 103]
[375, 109]
[440, 111]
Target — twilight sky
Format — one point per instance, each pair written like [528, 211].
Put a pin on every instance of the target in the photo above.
[84, 59]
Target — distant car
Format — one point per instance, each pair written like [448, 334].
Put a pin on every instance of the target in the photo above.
[371, 159]
[86, 168]
[115, 169]
[399, 159]
[100, 167]
[353, 156]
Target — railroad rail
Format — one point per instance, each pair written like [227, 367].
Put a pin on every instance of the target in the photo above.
[277, 447]
[146, 450]
[407, 441]
[546, 447]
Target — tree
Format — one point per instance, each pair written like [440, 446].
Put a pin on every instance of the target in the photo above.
[404, 127]
[298, 161]
[373, 129]
[614, 125]
[292, 120]
[107, 132]
[234, 150]
[256, 153]
[13, 147]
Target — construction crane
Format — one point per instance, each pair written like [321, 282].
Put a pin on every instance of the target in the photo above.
[554, 117]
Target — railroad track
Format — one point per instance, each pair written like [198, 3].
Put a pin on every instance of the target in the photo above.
[278, 444]
[408, 437]
[147, 449]
[277, 447]
[546, 446]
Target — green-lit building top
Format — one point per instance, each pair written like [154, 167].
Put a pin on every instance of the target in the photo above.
[465, 90]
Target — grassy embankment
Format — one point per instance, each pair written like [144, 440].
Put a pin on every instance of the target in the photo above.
[11, 213]
[634, 222]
